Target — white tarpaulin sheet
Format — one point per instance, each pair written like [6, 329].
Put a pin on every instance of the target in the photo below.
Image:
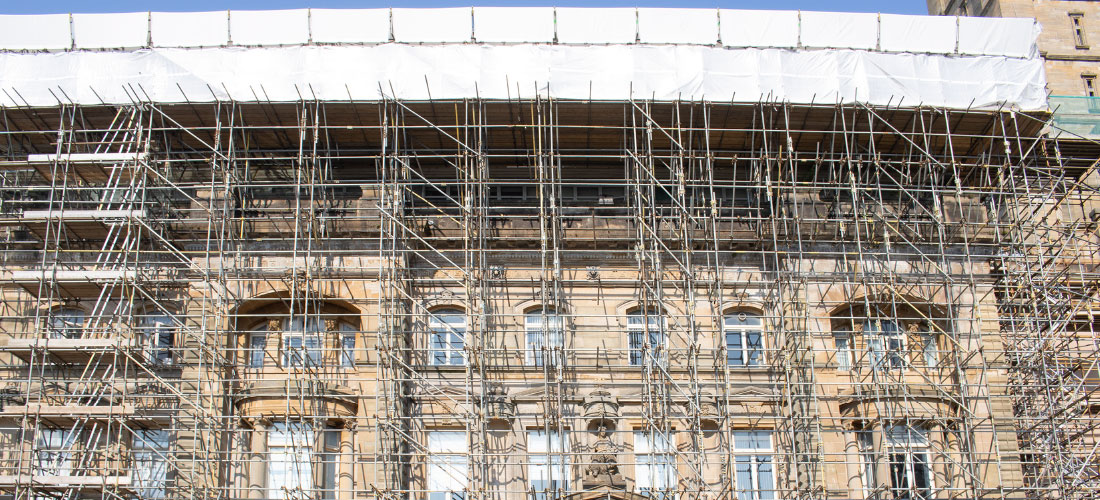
[693, 26]
[759, 28]
[514, 24]
[110, 31]
[349, 26]
[269, 27]
[511, 71]
[735, 28]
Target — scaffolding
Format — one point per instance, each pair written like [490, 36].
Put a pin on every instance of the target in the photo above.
[507, 298]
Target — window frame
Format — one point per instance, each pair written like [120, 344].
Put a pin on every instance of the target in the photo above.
[348, 336]
[1077, 27]
[447, 465]
[447, 338]
[54, 451]
[149, 449]
[642, 330]
[57, 327]
[742, 332]
[844, 353]
[303, 355]
[757, 458]
[908, 449]
[548, 457]
[550, 339]
[157, 348]
[298, 452]
[886, 348]
[1088, 80]
[655, 452]
[257, 345]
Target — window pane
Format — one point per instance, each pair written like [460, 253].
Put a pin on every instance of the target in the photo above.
[843, 361]
[734, 353]
[743, 467]
[447, 337]
[347, 349]
[765, 478]
[257, 343]
[66, 323]
[754, 348]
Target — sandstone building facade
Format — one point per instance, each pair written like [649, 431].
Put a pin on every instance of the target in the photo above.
[209, 294]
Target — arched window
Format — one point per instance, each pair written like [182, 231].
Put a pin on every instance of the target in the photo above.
[65, 323]
[447, 337]
[545, 337]
[158, 332]
[744, 346]
[646, 336]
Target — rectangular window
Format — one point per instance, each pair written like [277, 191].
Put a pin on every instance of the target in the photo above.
[930, 350]
[910, 467]
[289, 449]
[646, 336]
[545, 338]
[150, 454]
[158, 333]
[448, 338]
[868, 460]
[448, 473]
[1077, 24]
[1090, 85]
[257, 344]
[347, 346]
[843, 351]
[303, 342]
[755, 474]
[66, 323]
[655, 464]
[330, 463]
[548, 463]
[885, 344]
[743, 339]
[53, 454]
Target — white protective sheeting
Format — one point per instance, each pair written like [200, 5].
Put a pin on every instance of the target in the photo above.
[453, 25]
[1004, 36]
[46, 32]
[189, 29]
[578, 25]
[931, 34]
[514, 25]
[269, 27]
[738, 28]
[759, 28]
[350, 26]
[693, 26]
[501, 71]
[111, 31]
[839, 30]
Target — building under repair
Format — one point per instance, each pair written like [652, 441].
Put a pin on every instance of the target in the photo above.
[499, 254]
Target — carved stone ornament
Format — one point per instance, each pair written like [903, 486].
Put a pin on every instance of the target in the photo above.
[603, 469]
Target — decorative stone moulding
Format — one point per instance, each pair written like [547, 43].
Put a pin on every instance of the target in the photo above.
[277, 399]
[499, 406]
[601, 409]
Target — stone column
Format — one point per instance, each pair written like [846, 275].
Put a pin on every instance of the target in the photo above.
[257, 460]
[345, 465]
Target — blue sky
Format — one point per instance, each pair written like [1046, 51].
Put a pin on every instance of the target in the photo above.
[62, 6]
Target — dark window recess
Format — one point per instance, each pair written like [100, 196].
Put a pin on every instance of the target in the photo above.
[1077, 24]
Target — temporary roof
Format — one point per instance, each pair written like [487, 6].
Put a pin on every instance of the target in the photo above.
[502, 53]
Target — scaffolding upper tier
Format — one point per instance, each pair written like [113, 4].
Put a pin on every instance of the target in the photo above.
[502, 53]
